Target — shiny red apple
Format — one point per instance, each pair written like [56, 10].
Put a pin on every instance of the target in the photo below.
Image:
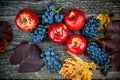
[26, 20]
[75, 19]
[76, 44]
[58, 33]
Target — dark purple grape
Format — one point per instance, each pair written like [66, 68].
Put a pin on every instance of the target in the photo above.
[50, 16]
[91, 27]
[38, 34]
[100, 57]
[50, 58]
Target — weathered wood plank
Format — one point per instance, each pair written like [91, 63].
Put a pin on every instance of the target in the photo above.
[8, 10]
[12, 7]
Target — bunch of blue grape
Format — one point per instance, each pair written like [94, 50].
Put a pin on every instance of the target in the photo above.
[91, 27]
[38, 34]
[50, 58]
[50, 16]
[100, 57]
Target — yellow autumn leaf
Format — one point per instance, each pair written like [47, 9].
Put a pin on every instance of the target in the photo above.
[104, 20]
[77, 69]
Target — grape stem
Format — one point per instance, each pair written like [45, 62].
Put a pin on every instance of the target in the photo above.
[96, 39]
[47, 26]
[113, 56]
[75, 57]
[58, 10]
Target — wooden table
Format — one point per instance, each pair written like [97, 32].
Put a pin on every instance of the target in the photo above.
[8, 10]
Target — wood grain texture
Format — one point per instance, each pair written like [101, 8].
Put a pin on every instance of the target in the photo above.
[8, 10]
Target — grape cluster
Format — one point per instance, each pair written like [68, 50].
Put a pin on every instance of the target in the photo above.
[50, 58]
[91, 27]
[100, 57]
[51, 16]
[38, 34]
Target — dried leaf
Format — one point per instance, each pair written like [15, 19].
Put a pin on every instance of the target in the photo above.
[77, 69]
[110, 45]
[111, 42]
[115, 27]
[116, 62]
[27, 55]
[114, 36]
[5, 34]
[105, 20]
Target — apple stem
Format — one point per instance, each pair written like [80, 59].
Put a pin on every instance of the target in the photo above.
[57, 11]
[72, 15]
[24, 20]
[47, 26]
[75, 43]
[75, 57]
[58, 31]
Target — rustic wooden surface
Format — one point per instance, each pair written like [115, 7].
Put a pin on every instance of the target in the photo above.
[8, 10]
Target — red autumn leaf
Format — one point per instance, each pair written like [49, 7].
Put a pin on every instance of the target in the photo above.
[116, 62]
[28, 56]
[5, 34]
[110, 45]
[111, 42]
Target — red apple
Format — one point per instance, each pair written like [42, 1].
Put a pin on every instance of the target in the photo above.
[74, 19]
[58, 33]
[26, 20]
[76, 44]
